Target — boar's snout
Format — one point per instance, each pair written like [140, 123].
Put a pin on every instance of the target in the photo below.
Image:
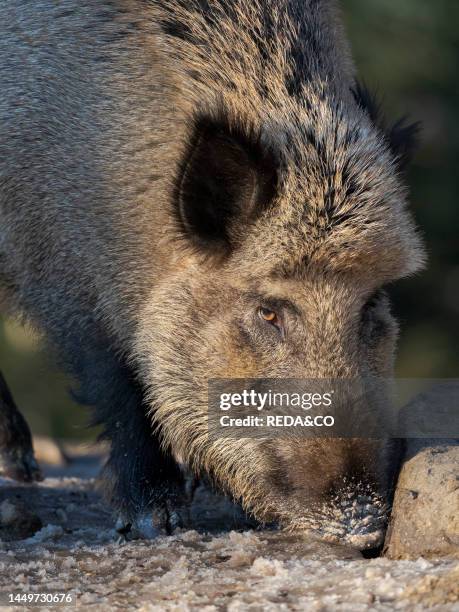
[338, 489]
[349, 517]
[357, 520]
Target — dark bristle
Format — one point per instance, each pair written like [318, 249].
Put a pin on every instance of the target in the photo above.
[402, 137]
[404, 140]
[367, 101]
[176, 29]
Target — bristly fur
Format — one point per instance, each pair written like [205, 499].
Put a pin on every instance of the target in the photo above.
[403, 137]
[143, 139]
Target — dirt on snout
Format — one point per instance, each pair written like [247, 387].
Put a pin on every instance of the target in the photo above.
[58, 537]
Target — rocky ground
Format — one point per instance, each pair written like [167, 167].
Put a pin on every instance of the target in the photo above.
[58, 537]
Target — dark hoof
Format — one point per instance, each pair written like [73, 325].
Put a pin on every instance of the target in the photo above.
[168, 517]
[139, 529]
[20, 465]
[162, 520]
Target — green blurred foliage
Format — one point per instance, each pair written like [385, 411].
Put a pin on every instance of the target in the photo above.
[39, 388]
[408, 52]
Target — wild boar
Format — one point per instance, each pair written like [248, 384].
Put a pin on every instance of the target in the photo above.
[196, 189]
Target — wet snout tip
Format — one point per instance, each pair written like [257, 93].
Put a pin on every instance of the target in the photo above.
[365, 541]
[364, 523]
[358, 522]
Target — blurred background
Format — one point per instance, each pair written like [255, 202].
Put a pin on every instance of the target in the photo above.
[408, 52]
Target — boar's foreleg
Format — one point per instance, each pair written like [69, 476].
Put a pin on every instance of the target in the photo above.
[16, 452]
[140, 479]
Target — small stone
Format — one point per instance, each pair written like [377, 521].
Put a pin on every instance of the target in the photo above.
[17, 522]
[8, 513]
[61, 515]
[50, 532]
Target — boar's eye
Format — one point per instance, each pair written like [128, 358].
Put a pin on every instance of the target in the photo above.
[270, 317]
[375, 314]
[375, 300]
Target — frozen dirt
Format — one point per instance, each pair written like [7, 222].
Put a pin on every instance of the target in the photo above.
[221, 565]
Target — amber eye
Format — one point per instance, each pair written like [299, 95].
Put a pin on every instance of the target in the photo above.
[269, 316]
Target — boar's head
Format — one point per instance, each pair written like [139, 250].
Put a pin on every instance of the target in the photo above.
[284, 237]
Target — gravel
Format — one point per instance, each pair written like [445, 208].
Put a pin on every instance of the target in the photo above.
[222, 564]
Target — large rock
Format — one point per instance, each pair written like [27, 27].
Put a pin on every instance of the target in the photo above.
[425, 516]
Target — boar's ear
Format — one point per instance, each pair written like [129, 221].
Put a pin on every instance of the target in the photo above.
[401, 137]
[227, 178]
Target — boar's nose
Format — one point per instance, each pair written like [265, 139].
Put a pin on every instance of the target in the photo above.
[359, 520]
